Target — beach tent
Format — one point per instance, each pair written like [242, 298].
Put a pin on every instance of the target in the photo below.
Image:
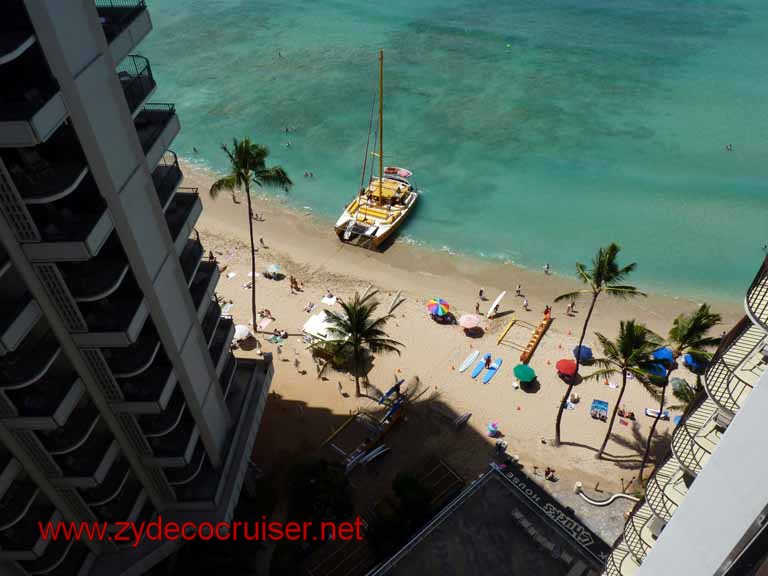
[317, 326]
[583, 353]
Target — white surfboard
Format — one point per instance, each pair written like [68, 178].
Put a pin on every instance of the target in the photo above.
[468, 362]
[496, 302]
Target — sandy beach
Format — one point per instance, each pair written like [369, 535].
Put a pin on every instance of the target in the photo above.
[307, 248]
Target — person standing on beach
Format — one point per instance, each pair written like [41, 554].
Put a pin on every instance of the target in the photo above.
[482, 294]
[525, 305]
[477, 308]
[518, 290]
[546, 268]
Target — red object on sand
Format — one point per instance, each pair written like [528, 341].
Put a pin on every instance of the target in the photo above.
[566, 366]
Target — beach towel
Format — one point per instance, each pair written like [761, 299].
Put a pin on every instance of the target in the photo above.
[264, 322]
[329, 301]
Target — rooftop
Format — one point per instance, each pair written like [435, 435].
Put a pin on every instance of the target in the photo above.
[504, 520]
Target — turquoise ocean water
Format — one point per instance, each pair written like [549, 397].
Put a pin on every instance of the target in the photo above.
[538, 129]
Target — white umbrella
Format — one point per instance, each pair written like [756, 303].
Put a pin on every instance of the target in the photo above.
[241, 332]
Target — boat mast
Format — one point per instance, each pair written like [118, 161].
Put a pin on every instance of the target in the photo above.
[381, 121]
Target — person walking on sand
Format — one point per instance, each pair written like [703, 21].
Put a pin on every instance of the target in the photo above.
[482, 294]
[525, 305]
[518, 290]
[477, 308]
[261, 242]
[546, 268]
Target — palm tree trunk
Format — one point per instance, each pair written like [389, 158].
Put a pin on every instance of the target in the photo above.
[253, 258]
[650, 435]
[568, 391]
[356, 368]
[613, 416]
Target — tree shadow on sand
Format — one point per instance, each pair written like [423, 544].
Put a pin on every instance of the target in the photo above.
[660, 446]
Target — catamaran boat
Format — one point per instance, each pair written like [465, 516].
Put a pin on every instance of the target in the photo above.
[382, 206]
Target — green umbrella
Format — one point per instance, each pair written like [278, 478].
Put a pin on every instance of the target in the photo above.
[524, 373]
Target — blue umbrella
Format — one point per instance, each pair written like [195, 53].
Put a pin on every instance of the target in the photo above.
[656, 370]
[582, 353]
[692, 363]
[664, 354]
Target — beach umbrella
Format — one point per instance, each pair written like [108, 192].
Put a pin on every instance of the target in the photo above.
[566, 367]
[657, 370]
[241, 332]
[273, 268]
[438, 307]
[664, 355]
[524, 373]
[583, 353]
[469, 321]
[692, 363]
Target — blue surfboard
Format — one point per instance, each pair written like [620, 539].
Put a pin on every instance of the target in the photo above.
[492, 369]
[479, 366]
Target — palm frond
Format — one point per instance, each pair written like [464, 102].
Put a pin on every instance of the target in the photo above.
[274, 177]
[573, 295]
[226, 183]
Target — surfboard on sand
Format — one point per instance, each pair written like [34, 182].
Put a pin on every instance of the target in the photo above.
[492, 369]
[479, 366]
[469, 360]
[495, 303]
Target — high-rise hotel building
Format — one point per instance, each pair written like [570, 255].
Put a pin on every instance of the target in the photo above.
[706, 506]
[119, 396]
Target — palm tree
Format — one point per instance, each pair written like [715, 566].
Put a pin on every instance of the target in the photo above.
[605, 275]
[684, 393]
[688, 335]
[630, 353]
[357, 332]
[247, 164]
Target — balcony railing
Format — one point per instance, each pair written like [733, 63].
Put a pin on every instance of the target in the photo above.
[49, 171]
[200, 486]
[32, 359]
[178, 443]
[52, 397]
[100, 276]
[75, 432]
[154, 385]
[696, 437]
[729, 378]
[161, 424]
[90, 458]
[204, 283]
[135, 75]
[757, 296]
[180, 209]
[26, 85]
[21, 533]
[117, 15]
[110, 488]
[210, 321]
[119, 509]
[190, 258]
[167, 177]
[659, 503]
[134, 359]
[73, 563]
[151, 122]
[633, 530]
[119, 311]
[221, 341]
[187, 474]
[225, 380]
[16, 32]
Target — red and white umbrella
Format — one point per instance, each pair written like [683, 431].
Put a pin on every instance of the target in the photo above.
[469, 321]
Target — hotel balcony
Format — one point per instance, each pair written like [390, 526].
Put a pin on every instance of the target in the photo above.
[74, 227]
[125, 23]
[16, 32]
[641, 530]
[157, 125]
[737, 365]
[756, 301]
[175, 448]
[167, 176]
[211, 321]
[203, 286]
[17, 493]
[227, 376]
[49, 171]
[134, 359]
[181, 215]
[19, 311]
[155, 425]
[667, 488]
[127, 504]
[150, 390]
[115, 320]
[135, 75]
[84, 449]
[32, 359]
[31, 104]
[219, 347]
[621, 562]
[697, 436]
[97, 278]
[198, 482]
[190, 259]
[45, 402]
[62, 557]
[19, 533]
